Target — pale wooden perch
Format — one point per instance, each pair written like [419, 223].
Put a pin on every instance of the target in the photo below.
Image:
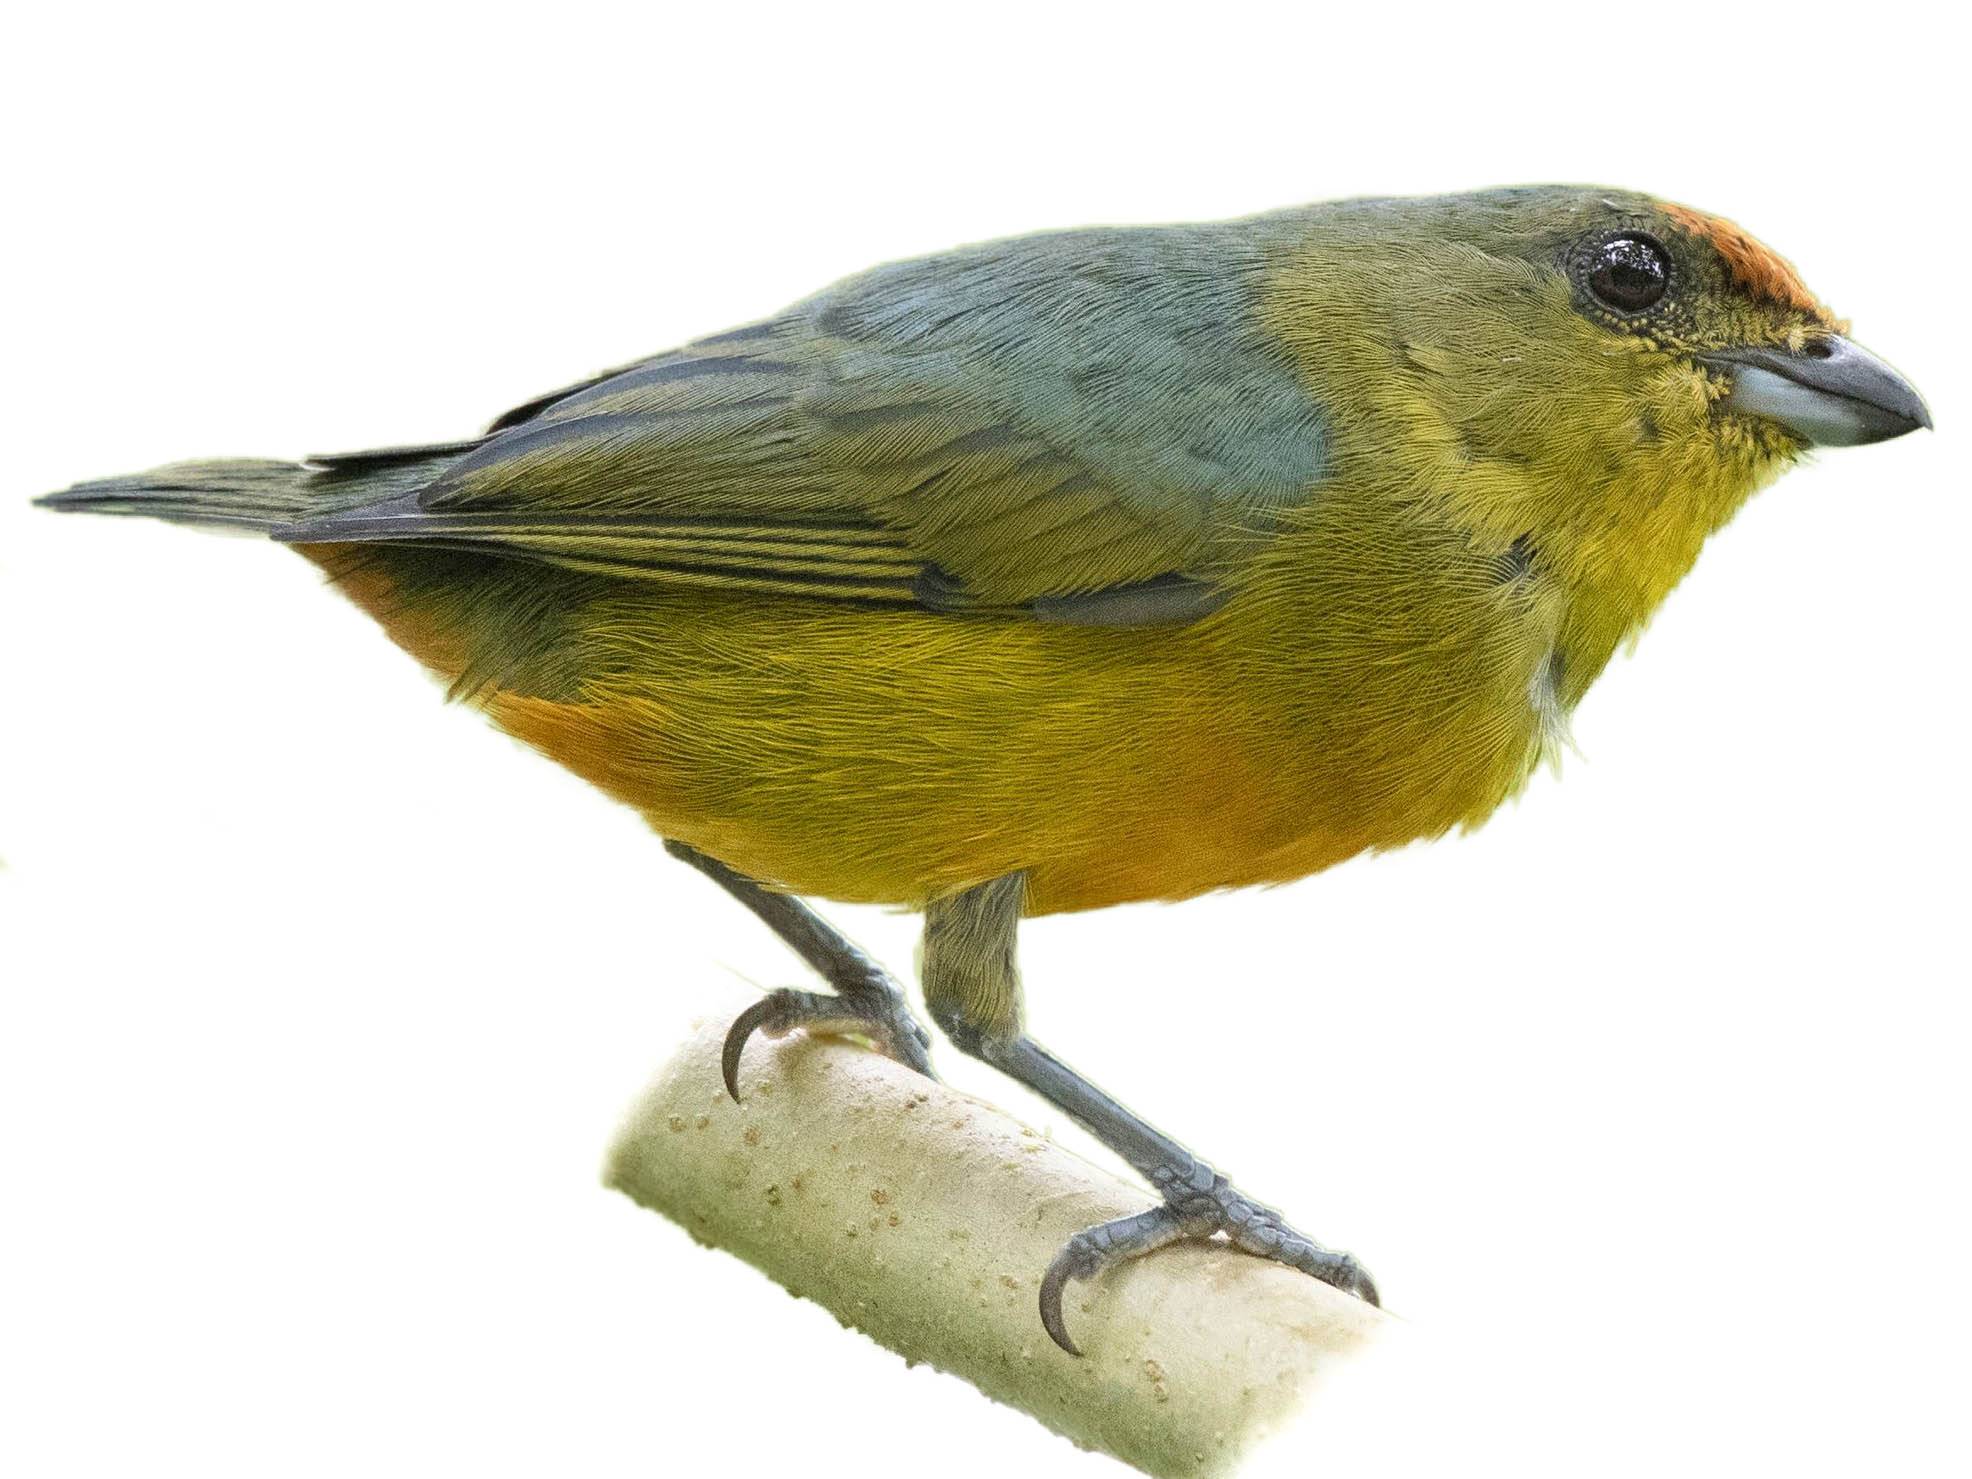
[925, 1217]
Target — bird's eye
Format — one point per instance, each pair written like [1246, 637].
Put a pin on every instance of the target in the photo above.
[1629, 273]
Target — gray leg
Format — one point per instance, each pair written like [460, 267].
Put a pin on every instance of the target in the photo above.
[867, 1000]
[973, 990]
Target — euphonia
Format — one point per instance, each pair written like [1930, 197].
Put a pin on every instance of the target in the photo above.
[1092, 566]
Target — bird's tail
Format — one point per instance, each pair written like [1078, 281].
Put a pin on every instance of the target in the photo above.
[237, 493]
[252, 494]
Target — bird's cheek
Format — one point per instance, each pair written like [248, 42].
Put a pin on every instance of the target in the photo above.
[1671, 410]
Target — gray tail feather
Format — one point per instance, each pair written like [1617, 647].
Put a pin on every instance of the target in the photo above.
[249, 493]
[237, 493]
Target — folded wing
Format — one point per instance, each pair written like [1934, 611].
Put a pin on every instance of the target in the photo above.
[1083, 427]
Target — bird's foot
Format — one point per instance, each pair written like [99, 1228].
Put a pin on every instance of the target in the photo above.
[878, 1012]
[1198, 1203]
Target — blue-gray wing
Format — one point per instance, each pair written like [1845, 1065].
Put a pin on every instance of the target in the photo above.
[1089, 425]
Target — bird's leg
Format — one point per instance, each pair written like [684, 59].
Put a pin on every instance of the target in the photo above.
[973, 990]
[866, 999]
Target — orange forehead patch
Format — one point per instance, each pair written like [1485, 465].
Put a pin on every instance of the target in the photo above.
[1759, 269]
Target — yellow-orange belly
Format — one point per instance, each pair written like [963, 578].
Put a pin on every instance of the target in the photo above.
[889, 757]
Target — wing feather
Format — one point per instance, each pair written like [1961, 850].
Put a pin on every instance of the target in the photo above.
[1088, 417]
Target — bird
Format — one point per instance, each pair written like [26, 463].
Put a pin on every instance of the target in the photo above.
[1088, 567]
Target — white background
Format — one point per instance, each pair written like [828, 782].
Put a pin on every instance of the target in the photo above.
[321, 999]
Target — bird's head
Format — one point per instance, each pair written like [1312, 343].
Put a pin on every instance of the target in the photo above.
[1701, 293]
[1595, 373]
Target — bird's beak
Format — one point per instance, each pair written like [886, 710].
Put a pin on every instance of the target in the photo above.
[1832, 392]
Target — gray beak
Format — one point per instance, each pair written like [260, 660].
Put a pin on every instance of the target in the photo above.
[1833, 393]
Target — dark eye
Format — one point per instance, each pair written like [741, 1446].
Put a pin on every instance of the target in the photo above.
[1629, 273]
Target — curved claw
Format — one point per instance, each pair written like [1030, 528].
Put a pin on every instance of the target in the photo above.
[1068, 1264]
[1352, 1278]
[744, 1026]
[1093, 1249]
[1249, 1228]
[886, 1021]
[912, 1046]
